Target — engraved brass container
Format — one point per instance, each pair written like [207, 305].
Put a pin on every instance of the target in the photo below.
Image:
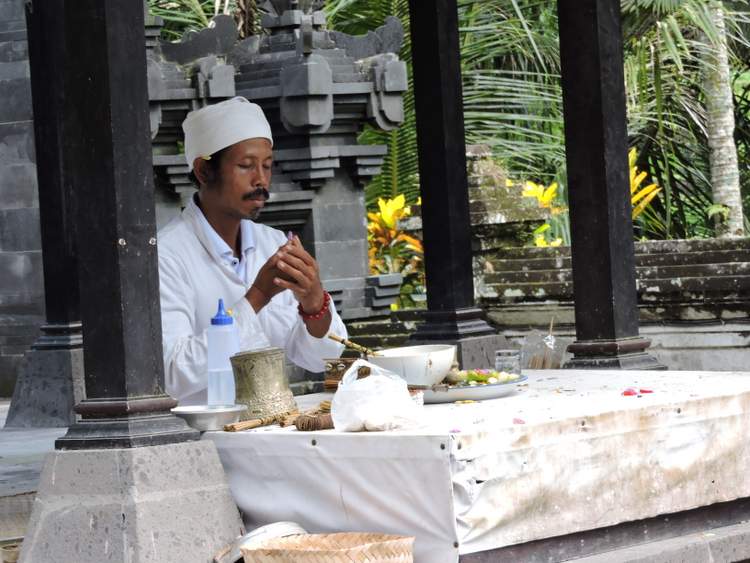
[261, 383]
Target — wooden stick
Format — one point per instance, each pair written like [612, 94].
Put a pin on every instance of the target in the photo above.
[352, 345]
[256, 422]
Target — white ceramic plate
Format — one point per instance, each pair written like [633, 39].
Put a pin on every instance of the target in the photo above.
[469, 393]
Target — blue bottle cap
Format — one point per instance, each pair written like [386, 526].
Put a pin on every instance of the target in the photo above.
[222, 318]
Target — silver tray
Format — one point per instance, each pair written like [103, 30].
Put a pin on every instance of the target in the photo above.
[449, 394]
[204, 418]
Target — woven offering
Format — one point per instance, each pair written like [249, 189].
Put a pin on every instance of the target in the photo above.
[332, 548]
[312, 422]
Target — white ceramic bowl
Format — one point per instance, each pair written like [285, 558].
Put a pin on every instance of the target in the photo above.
[423, 365]
[204, 418]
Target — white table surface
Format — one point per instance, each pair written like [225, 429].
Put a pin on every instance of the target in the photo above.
[567, 452]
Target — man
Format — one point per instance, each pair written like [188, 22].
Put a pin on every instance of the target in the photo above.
[215, 250]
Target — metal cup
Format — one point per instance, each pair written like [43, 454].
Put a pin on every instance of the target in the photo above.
[261, 383]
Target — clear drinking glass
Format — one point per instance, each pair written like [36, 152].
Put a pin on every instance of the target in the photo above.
[508, 361]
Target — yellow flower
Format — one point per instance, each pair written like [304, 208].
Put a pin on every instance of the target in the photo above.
[639, 199]
[539, 240]
[392, 210]
[544, 196]
[508, 183]
[532, 190]
[548, 195]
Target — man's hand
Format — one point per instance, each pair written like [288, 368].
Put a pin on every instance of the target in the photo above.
[291, 267]
[299, 274]
[264, 288]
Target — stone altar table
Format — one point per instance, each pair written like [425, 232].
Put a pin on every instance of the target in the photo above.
[567, 453]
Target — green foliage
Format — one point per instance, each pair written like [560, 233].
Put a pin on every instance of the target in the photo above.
[512, 98]
[718, 212]
[400, 168]
[666, 45]
[182, 15]
[391, 250]
[510, 84]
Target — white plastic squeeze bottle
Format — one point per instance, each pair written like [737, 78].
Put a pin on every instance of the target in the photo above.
[223, 343]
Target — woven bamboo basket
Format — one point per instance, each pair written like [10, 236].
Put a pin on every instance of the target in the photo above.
[345, 547]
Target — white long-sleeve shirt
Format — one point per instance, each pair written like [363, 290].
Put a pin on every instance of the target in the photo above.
[192, 278]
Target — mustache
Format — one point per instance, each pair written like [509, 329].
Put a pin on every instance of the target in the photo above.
[257, 193]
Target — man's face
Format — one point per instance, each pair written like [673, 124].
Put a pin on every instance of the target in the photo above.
[244, 173]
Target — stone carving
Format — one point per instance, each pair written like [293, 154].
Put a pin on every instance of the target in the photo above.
[318, 88]
[215, 40]
[386, 39]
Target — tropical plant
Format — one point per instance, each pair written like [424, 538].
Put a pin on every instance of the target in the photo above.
[183, 15]
[510, 86]
[668, 53]
[725, 173]
[512, 98]
[556, 231]
[391, 250]
[400, 171]
[640, 197]
[193, 15]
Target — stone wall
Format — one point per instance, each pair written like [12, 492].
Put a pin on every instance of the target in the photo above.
[693, 297]
[21, 283]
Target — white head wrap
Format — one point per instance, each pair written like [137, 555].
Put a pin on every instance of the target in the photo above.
[218, 126]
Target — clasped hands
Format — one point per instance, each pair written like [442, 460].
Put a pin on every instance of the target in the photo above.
[291, 267]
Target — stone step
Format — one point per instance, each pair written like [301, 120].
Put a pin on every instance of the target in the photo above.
[650, 247]
[727, 543]
[644, 273]
[382, 327]
[535, 291]
[501, 264]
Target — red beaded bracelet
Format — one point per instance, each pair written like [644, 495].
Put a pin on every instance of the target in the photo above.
[318, 315]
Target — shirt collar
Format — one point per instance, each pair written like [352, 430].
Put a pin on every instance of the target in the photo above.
[222, 249]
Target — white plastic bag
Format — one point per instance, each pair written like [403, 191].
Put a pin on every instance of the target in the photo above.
[380, 401]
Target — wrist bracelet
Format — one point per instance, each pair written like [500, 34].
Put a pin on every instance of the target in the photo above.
[317, 315]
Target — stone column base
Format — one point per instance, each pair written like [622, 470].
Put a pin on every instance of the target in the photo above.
[160, 503]
[50, 383]
[624, 353]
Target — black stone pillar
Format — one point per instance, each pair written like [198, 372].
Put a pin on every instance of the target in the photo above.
[446, 225]
[596, 144]
[45, 24]
[108, 161]
[51, 378]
